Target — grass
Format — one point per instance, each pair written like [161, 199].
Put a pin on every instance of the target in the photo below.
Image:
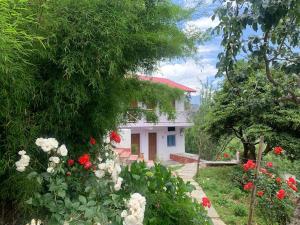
[231, 203]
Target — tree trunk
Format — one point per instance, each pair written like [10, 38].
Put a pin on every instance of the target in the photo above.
[249, 152]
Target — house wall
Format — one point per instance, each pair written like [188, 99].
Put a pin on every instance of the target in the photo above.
[163, 151]
[125, 139]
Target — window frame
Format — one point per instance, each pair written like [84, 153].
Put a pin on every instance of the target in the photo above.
[171, 143]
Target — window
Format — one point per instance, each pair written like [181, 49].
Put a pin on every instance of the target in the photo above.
[171, 140]
[171, 128]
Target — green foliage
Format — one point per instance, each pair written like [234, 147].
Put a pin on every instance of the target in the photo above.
[247, 107]
[199, 141]
[167, 200]
[74, 194]
[72, 82]
[226, 196]
[267, 34]
[272, 209]
[240, 211]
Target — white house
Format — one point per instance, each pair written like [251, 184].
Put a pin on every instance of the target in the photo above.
[156, 141]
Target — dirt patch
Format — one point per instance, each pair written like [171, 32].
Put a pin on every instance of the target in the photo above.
[296, 217]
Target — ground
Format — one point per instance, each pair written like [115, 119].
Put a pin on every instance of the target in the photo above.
[230, 202]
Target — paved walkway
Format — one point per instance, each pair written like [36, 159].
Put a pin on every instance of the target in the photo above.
[187, 172]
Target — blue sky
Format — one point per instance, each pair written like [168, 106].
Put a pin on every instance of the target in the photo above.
[190, 71]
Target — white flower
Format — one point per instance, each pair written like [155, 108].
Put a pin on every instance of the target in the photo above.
[124, 213]
[62, 150]
[21, 168]
[22, 152]
[118, 184]
[102, 166]
[110, 165]
[100, 159]
[54, 159]
[50, 169]
[99, 173]
[23, 162]
[136, 210]
[106, 154]
[35, 222]
[47, 144]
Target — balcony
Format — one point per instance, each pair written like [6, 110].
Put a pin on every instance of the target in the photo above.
[181, 120]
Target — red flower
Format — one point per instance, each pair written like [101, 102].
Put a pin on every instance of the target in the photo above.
[291, 180]
[248, 186]
[226, 155]
[278, 150]
[249, 165]
[269, 164]
[260, 193]
[84, 159]
[70, 162]
[206, 202]
[92, 141]
[280, 194]
[263, 170]
[114, 136]
[87, 165]
[68, 173]
[278, 180]
[292, 186]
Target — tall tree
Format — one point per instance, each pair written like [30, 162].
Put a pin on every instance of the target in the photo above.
[248, 106]
[72, 83]
[268, 31]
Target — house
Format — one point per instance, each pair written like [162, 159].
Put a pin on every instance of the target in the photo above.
[156, 141]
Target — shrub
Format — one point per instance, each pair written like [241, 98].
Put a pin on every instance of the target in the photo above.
[85, 190]
[274, 194]
[166, 195]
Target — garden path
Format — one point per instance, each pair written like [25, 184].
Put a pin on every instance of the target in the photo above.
[187, 172]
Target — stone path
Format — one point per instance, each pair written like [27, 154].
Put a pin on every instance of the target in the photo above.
[187, 172]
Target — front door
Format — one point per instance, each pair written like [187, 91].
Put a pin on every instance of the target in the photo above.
[152, 146]
[135, 144]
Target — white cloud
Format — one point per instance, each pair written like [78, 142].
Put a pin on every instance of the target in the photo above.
[188, 73]
[208, 48]
[202, 23]
[194, 3]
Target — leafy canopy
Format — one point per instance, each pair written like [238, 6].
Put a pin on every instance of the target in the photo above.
[63, 67]
[251, 108]
[267, 32]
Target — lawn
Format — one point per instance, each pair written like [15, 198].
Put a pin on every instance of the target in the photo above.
[230, 202]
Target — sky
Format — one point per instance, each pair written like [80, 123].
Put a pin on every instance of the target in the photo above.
[189, 71]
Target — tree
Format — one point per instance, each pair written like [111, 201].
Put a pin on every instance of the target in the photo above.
[267, 31]
[72, 83]
[248, 106]
[198, 140]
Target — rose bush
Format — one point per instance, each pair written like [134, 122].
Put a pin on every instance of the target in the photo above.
[275, 194]
[81, 190]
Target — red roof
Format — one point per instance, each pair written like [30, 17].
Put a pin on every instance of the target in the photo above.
[167, 82]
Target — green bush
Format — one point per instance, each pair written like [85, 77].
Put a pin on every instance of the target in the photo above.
[273, 208]
[63, 72]
[166, 195]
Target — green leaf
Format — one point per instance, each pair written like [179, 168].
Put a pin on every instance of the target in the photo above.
[82, 199]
